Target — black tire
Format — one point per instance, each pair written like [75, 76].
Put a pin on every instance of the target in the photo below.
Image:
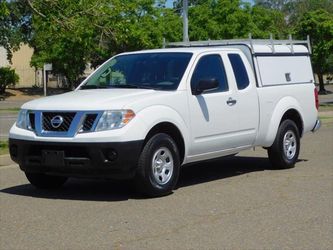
[43, 181]
[155, 177]
[285, 156]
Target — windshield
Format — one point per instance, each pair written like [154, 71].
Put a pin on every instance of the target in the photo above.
[162, 71]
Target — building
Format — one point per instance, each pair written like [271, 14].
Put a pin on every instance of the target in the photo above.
[29, 76]
[3, 57]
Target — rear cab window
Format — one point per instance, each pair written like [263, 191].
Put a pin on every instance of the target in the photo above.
[238, 67]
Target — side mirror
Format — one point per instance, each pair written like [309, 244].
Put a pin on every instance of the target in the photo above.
[204, 85]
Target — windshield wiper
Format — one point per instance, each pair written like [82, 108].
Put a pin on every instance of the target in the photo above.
[92, 87]
[125, 86]
[130, 86]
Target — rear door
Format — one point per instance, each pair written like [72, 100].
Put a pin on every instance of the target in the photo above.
[227, 117]
[246, 104]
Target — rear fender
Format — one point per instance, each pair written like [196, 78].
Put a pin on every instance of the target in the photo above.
[285, 104]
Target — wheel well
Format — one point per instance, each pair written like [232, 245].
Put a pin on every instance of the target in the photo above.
[171, 130]
[293, 115]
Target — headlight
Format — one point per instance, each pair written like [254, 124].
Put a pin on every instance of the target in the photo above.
[22, 119]
[114, 119]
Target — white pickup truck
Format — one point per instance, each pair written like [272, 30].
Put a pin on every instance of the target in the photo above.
[144, 114]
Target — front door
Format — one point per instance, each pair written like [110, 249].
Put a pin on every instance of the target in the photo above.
[213, 121]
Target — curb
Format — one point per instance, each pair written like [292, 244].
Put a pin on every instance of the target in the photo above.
[5, 160]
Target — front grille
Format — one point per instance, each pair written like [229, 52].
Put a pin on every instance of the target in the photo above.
[88, 122]
[67, 118]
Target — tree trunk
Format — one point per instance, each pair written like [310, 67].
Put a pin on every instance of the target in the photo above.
[322, 89]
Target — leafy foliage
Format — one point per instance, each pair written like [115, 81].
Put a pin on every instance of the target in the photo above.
[319, 25]
[7, 77]
[226, 19]
[15, 25]
[70, 34]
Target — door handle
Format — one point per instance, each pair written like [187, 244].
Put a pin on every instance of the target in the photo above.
[231, 101]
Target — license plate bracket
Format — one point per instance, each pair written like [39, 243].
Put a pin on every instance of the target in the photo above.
[53, 158]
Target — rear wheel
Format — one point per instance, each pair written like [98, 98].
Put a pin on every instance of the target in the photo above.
[44, 181]
[285, 149]
[159, 165]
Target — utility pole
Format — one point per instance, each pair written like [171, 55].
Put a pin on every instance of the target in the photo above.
[185, 21]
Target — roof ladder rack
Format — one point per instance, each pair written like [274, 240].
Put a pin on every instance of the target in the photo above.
[309, 43]
[291, 43]
[272, 42]
[250, 42]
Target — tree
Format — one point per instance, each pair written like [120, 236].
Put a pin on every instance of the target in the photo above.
[295, 9]
[7, 77]
[319, 25]
[15, 25]
[70, 34]
[298, 8]
[225, 19]
[268, 21]
[273, 4]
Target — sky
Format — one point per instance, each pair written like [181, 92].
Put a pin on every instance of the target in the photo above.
[169, 2]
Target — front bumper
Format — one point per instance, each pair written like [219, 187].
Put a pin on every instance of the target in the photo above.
[102, 160]
[316, 126]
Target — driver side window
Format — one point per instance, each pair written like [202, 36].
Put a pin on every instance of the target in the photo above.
[210, 67]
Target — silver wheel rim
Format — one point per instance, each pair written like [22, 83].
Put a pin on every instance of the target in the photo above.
[289, 144]
[162, 166]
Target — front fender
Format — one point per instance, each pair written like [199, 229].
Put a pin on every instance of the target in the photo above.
[153, 115]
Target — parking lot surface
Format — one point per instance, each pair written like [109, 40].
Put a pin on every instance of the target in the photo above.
[234, 203]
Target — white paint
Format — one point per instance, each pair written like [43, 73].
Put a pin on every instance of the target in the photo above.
[273, 70]
[210, 128]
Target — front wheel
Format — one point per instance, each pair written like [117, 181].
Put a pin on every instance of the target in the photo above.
[285, 149]
[158, 167]
[43, 181]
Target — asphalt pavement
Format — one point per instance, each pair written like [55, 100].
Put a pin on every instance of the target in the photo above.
[7, 116]
[6, 121]
[231, 203]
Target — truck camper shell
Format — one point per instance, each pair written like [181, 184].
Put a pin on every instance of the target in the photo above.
[275, 62]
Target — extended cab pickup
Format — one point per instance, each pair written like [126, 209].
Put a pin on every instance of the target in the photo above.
[144, 114]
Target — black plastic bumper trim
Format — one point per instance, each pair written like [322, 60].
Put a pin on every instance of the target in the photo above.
[93, 159]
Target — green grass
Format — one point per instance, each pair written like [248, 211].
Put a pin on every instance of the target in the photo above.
[323, 117]
[326, 107]
[9, 110]
[3, 147]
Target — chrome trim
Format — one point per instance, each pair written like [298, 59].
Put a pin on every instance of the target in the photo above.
[289, 144]
[56, 121]
[83, 118]
[74, 128]
[316, 126]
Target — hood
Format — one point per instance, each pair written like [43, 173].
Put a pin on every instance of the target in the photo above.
[97, 99]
